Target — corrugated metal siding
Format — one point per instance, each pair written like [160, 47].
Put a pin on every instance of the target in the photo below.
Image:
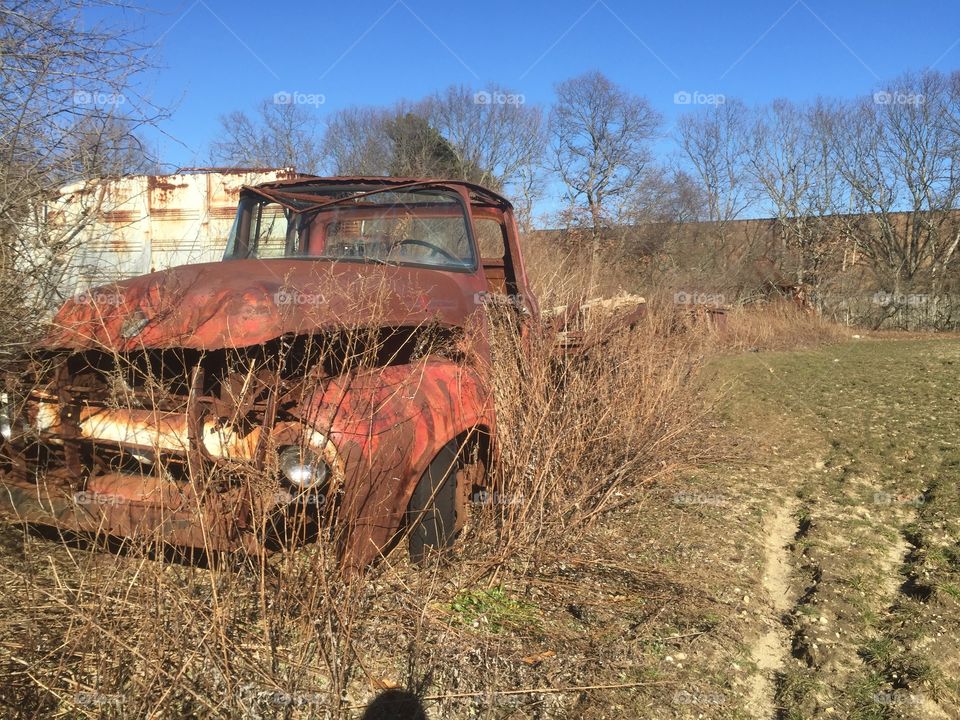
[150, 222]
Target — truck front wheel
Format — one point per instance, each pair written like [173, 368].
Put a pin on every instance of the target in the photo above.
[433, 511]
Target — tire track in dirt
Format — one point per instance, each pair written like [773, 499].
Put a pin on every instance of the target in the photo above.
[845, 664]
[903, 561]
[905, 554]
[772, 648]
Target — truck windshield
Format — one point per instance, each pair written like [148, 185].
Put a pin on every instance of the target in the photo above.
[411, 227]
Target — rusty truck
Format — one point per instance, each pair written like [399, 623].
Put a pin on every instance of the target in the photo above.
[334, 365]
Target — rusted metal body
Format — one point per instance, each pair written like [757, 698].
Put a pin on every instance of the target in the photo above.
[607, 316]
[160, 406]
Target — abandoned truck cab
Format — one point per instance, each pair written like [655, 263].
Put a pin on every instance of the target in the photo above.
[331, 373]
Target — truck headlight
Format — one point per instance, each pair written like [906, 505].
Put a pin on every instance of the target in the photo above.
[302, 467]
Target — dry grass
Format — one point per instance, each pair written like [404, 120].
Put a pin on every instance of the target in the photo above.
[140, 634]
[776, 326]
[579, 435]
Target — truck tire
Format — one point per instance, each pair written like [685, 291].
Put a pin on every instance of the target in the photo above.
[432, 513]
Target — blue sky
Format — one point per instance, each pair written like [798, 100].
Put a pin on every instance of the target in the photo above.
[219, 56]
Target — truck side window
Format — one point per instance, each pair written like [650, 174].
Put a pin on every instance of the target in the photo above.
[491, 241]
[490, 238]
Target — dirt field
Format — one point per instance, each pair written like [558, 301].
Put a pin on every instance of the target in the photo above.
[836, 554]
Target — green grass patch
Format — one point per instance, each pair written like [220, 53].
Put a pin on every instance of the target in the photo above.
[493, 610]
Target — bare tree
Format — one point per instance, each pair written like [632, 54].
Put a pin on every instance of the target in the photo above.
[104, 147]
[951, 115]
[897, 153]
[663, 205]
[69, 110]
[498, 138]
[716, 140]
[525, 190]
[282, 133]
[489, 137]
[600, 147]
[792, 161]
[666, 195]
[356, 142]
[398, 141]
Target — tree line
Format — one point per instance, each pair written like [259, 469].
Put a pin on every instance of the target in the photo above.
[879, 172]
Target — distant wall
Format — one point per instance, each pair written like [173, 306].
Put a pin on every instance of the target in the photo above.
[748, 261]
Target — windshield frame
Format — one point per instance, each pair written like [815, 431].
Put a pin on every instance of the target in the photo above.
[251, 197]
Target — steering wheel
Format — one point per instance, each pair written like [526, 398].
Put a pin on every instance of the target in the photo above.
[430, 246]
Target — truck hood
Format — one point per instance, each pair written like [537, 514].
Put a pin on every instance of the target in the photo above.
[239, 303]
